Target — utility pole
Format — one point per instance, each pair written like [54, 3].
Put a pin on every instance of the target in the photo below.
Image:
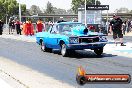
[107, 21]
[85, 14]
[20, 10]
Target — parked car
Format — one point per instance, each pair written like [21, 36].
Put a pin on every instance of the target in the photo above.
[70, 36]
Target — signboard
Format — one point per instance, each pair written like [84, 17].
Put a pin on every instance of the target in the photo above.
[90, 19]
[93, 17]
[97, 7]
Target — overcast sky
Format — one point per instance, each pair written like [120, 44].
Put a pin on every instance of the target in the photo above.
[66, 4]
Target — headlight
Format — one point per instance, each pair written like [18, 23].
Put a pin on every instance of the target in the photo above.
[73, 40]
[103, 38]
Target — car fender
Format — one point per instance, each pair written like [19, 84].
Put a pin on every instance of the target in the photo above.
[63, 39]
[41, 36]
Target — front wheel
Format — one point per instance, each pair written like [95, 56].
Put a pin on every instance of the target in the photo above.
[98, 51]
[64, 50]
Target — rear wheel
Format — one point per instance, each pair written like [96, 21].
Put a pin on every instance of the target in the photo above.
[44, 48]
[98, 51]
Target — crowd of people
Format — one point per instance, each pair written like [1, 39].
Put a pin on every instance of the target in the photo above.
[27, 27]
[127, 26]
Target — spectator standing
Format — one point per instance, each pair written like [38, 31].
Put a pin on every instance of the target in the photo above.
[18, 29]
[124, 27]
[10, 26]
[24, 28]
[116, 27]
[128, 25]
[13, 26]
[44, 26]
[29, 28]
[75, 20]
[131, 26]
[1, 27]
[39, 25]
[61, 20]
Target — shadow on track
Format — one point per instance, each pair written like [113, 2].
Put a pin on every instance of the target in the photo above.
[79, 54]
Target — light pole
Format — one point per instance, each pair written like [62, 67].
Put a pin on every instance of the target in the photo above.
[85, 14]
[6, 17]
[20, 10]
[107, 21]
[95, 2]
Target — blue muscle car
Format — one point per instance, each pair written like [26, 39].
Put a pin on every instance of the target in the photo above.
[70, 36]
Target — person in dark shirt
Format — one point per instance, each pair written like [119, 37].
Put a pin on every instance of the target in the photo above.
[18, 29]
[61, 20]
[13, 26]
[1, 27]
[116, 27]
[129, 25]
[75, 20]
[10, 26]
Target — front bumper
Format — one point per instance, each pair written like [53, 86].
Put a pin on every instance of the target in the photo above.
[81, 46]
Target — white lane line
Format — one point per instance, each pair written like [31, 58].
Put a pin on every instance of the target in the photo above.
[3, 84]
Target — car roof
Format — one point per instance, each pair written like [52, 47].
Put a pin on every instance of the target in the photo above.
[69, 23]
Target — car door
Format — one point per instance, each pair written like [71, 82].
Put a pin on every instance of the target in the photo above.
[46, 35]
[53, 38]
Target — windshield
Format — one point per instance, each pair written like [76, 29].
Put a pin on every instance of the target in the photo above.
[68, 27]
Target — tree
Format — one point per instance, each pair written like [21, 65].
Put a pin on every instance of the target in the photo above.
[70, 11]
[49, 8]
[77, 3]
[130, 11]
[10, 8]
[34, 10]
[27, 12]
[59, 11]
[2, 9]
[23, 10]
[122, 10]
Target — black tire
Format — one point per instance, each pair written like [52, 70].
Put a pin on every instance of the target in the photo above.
[98, 51]
[71, 52]
[81, 80]
[49, 50]
[44, 48]
[64, 50]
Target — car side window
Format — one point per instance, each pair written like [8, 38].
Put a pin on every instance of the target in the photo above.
[50, 29]
[54, 29]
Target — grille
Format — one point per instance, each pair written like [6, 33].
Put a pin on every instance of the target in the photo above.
[88, 40]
